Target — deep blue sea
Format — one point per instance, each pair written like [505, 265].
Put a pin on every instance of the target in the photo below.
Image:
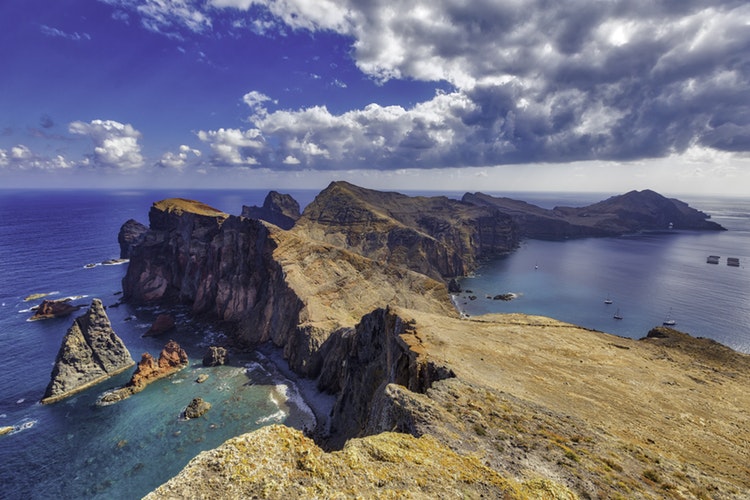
[75, 449]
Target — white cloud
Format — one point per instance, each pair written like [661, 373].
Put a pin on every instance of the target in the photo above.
[58, 33]
[115, 144]
[178, 160]
[233, 146]
[20, 157]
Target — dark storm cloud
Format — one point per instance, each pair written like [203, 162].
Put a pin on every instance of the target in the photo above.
[533, 80]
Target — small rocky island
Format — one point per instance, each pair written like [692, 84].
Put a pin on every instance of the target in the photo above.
[172, 358]
[91, 352]
[428, 403]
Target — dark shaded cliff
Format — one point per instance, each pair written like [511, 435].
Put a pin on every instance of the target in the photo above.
[623, 214]
[279, 209]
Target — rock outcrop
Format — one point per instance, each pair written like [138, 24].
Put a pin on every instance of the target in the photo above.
[49, 309]
[196, 408]
[623, 214]
[279, 209]
[131, 234]
[388, 465]
[215, 356]
[171, 359]
[91, 352]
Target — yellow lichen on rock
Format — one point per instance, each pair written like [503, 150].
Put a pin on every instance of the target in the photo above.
[280, 462]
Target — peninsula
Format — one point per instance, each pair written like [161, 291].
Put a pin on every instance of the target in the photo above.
[428, 403]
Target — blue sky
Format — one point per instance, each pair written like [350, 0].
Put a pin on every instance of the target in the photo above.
[422, 94]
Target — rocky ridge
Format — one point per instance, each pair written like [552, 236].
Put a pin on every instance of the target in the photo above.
[618, 215]
[554, 410]
[90, 353]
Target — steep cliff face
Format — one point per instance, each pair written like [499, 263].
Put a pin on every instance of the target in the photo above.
[90, 353]
[279, 209]
[435, 236]
[382, 349]
[131, 233]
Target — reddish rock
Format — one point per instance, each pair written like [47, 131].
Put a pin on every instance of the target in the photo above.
[171, 359]
[162, 324]
[53, 309]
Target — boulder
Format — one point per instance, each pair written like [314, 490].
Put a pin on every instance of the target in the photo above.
[196, 408]
[162, 324]
[90, 353]
[215, 356]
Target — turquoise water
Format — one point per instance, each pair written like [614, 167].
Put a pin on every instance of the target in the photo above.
[647, 276]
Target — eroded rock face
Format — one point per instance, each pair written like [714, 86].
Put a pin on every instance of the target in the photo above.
[435, 236]
[279, 209]
[171, 359]
[54, 309]
[131, 234]
[383, 349]
[90, 353]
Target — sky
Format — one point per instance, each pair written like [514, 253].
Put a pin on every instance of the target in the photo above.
[480, 95]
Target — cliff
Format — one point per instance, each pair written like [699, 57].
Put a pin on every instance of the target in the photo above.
[91, 352]
[279, 209]
[435, 236]
[623, 214]
[354, 294]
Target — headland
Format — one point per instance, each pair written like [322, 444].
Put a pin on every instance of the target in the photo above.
[428, 403]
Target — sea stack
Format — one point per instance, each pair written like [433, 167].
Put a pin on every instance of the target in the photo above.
[91, 352]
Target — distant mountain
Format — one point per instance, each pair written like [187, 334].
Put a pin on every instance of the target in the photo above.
[623, 214]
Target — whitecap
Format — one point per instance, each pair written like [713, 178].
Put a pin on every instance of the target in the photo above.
[277, 416]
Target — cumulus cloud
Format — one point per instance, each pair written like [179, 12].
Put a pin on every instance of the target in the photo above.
[115, 144]
[180, 159]
[21, 157]
[233, 146]
[531, 81]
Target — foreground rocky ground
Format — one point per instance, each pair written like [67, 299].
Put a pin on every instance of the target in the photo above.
[538, 409]
[431, 405]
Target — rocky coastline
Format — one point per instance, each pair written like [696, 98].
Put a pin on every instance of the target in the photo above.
[355, 294]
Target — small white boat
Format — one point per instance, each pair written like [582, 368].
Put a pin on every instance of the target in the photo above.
[669, 321]
[607, 301]
[617, 315]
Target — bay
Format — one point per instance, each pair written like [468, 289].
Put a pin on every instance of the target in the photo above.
[648, 277]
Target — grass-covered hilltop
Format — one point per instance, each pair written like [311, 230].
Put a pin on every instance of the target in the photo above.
[429, 404]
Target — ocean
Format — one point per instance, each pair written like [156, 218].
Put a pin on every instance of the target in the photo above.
[75, 449]
[648, 277]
